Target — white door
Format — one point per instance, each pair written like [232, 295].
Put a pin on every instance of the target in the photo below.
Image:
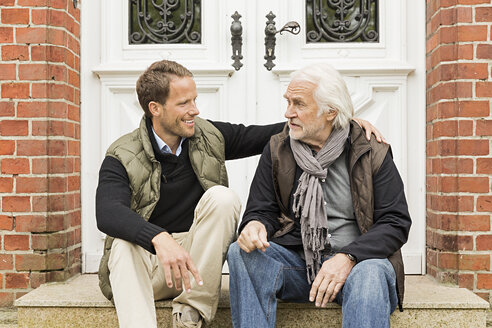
[386, 79]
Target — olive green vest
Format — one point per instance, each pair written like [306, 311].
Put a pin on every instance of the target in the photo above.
[135, 153]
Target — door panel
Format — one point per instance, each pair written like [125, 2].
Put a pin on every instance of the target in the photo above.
[384, 78]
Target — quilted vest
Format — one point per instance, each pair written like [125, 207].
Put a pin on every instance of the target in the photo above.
[365, 159]
[135, 153]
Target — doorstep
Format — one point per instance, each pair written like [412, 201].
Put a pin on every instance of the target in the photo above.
[79, 303]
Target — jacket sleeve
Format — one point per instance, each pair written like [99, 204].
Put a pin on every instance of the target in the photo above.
[244, 141]
[113, 213]
[262, 205]
[391, 218]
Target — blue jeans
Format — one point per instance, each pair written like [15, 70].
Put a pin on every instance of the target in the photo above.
[257, 279]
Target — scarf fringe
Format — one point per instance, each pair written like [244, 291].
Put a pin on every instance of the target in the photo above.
[316, 242]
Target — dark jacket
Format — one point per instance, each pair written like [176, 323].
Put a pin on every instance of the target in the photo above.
[377, 192]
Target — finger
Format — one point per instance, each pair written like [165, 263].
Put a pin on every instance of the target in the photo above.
[258, 243]
[245, 243]
[328, 294]
[194, 272]
[185, 277]
[177, 276]
[252, 240]
[368, 134]
[242, 246]
[338, 287]
[168, 276]
[378, 135]
[321, 291]
[263, 238]
[314, 287]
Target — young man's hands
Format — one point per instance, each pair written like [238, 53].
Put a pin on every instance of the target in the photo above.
[175, 261]
[370, 129]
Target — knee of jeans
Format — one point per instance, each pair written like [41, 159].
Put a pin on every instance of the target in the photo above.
[372, 270]
[234, 253]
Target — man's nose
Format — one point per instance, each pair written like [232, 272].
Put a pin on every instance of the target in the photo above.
[289, 113]
[194, 109]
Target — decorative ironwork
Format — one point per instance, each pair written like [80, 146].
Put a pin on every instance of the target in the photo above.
[236, 41]
[165, 21]
[342, 21]
[270, 39]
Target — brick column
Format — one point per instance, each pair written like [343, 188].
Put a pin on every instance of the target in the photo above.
[39, 144]
[459, 130]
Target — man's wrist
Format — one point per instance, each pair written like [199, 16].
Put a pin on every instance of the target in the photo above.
[351, 257]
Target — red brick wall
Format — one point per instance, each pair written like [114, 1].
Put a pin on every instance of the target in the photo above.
[459, 130]
[39, 144]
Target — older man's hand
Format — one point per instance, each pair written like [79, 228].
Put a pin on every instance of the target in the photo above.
[253, 236]
[330, 279]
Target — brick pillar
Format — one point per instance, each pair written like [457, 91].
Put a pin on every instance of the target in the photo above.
[459, 130]
[39, 144]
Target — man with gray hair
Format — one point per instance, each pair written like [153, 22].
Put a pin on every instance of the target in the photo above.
[326, 215]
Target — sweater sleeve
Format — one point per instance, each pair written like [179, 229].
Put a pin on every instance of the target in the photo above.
[244, 141]
[113, 213]
[391, 218]
[262, 205]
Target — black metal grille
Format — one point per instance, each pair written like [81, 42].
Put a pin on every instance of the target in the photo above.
[164, 21]
[342, 21]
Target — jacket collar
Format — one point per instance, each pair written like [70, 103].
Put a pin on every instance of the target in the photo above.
[358, 143]
[145, 139]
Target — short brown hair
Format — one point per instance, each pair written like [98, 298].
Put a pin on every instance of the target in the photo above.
[153, 84]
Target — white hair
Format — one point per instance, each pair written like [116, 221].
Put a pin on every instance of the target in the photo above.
[331, 92]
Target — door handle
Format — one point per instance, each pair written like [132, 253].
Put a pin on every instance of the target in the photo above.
[236, 41]
[270, 39]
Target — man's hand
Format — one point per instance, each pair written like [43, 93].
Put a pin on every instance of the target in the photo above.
[253, 236]
[330, 279]
[176, 258]
[370, 129]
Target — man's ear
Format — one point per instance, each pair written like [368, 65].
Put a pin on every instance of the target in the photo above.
[154, 108]
[332, 113]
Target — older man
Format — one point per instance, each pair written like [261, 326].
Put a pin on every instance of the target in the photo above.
[326, 215]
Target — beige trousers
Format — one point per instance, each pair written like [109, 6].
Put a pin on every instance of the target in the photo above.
[137, 277]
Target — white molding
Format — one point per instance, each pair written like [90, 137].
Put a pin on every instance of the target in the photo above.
[122, 70]
[370, 68]
[91, 262]
[413, 262]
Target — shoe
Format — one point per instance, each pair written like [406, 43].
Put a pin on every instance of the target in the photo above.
[189, 318]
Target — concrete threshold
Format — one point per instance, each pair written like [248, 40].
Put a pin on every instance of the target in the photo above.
[79, 303]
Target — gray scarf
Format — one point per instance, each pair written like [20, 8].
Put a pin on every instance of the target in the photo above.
[308, 198]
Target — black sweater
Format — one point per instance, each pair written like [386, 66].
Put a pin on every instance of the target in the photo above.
[391, 218]
[180, 190]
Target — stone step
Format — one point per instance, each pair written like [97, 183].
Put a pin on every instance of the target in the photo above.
[79, 303]
[8, 317]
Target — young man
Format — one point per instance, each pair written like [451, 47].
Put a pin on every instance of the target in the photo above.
[163, 200]
[326, 215]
